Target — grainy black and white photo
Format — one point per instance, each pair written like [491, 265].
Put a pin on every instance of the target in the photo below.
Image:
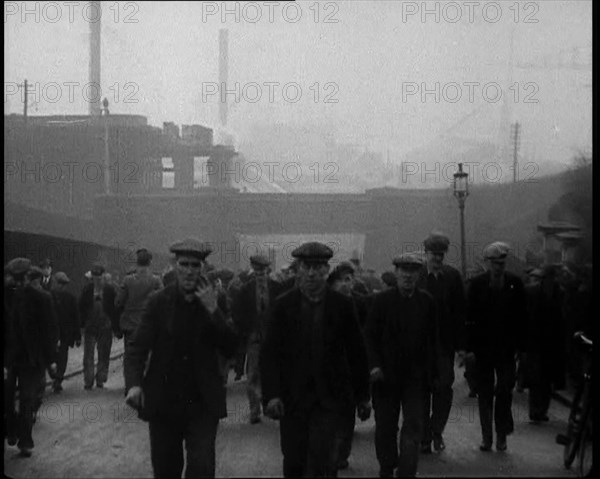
[310, 238]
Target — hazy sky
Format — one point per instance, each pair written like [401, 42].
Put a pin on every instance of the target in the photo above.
[370, 60]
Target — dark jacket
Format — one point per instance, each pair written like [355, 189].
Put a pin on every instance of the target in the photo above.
[32, 330]
[86, 303]
[451, 307]
[342, 365]
[244, 311]
[67, 313]
[405, 346]
[155, 335]
[496, 327]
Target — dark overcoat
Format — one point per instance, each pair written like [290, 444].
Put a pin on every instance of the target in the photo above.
[155, 336]
[343, 363]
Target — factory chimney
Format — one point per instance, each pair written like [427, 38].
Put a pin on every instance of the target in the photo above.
[223, 67]
[94, 91]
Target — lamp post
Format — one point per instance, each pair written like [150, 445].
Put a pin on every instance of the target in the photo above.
[461, 191]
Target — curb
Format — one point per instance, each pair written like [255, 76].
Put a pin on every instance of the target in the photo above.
[80, 370]
[562, 398]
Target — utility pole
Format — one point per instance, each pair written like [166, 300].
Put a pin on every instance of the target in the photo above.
[516, 143]
[25, 99]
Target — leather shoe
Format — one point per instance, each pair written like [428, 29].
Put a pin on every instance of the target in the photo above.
[25, 451]
[438, 444]
[342, 464]
[501, 442]
[426, 448]
[485, 446]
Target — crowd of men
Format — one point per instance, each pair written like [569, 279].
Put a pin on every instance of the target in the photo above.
[318, 345]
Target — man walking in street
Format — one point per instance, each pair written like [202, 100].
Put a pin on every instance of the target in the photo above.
[69, 333]
[495, 333]
[131, 299]
[182, 394]
[445, 284]
[313, 367]
[403, 350]
[30, 344]
[251, 308]
[99, 319]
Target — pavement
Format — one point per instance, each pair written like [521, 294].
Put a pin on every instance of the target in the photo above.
[75, 360]
[95, 434]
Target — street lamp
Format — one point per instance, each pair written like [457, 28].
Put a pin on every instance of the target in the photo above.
[461, 191]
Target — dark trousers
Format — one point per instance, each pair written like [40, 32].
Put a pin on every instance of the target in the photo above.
[240, 359]
[99, 337]
[345, 435]
[253, 389]
[470, 375]
[26, 379]
[438, 403]
[388, 401]
[308, 442]
[61, 361]
[496, 378]
[540, 383]
[190, 424]
[128, 342]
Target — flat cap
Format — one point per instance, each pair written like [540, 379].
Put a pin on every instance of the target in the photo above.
[226, 274]
[46, 263]
[436, 242]
[536, 272]
[389, 278]
[61, 278]
[496, 251]
[313, 252]
[342, 269]
[191, 247]
[259, 260]
[18, 266]
[143, 256]
[97, 269]
[410, 261]
[35, 272]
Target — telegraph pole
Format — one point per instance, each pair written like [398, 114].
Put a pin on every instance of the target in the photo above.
[25, 99]
[516, 142]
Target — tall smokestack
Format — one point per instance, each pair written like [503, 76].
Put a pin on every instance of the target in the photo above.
[223, 70]
[94, 91]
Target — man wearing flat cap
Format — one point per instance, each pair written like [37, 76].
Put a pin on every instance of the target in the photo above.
[445, 284]
[181, 394]
[403, 349]
[99, 321]
[495, 319]
[30, 342]
[131, 299]
[251, 309]
[313, 367]
[341, 279]
[67, 313]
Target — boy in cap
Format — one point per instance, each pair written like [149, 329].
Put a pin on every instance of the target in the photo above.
[131, 299]
[67, 313]
[31, 348]
[181, 394]
[496, 315]
[313, 367]
[251, 308]
[403, 349]
[445, 284]
[99, 320]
